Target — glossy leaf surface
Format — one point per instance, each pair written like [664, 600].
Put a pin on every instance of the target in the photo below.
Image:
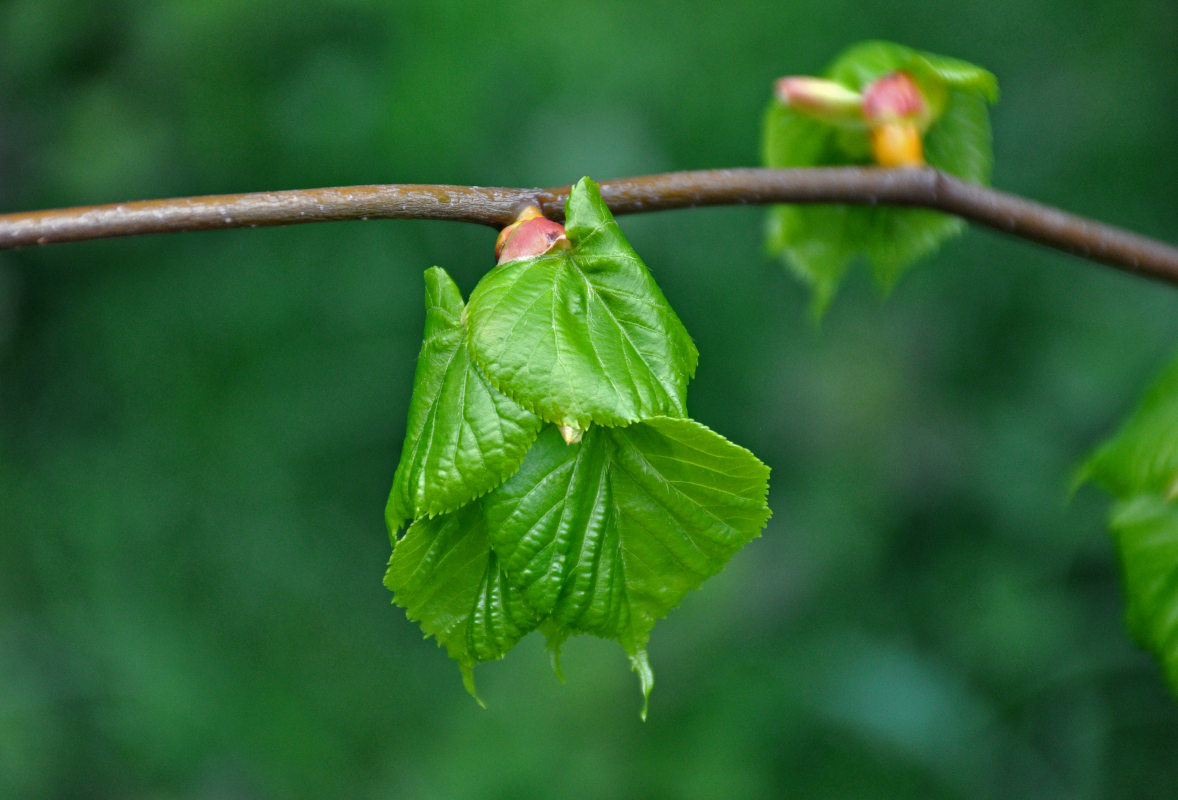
[601, 522]
[607, 536]
[584, 335]
[463, 436]
[446, 577]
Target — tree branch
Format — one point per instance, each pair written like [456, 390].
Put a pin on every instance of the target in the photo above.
[926, 188]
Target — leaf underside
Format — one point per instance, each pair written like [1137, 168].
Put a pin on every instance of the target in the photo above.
[607, 536]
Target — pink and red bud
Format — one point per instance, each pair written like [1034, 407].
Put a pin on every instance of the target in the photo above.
[895, 96]
[820, 98]
[530, 235]
[892, 108]
[897, 115]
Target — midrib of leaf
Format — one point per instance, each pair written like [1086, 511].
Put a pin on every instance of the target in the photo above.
[464, 436]
[592, 540]
[672, 393]
[432, 418]
[443, 561]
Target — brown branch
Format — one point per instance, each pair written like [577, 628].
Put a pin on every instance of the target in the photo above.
[497, 207]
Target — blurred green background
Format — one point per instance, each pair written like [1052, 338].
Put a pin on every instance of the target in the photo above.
[198, 431]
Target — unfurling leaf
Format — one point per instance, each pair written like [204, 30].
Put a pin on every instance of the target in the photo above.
[602, 537]
[445, 575]
[607, 536]
[820, 242]
[1146, 531]
[1139, 466]
[583, 335]
[463, 437]
[601, 522]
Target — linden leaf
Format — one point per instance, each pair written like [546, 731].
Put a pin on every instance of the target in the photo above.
[1142, 458]
[583, 335]
[1146, 531]
[463, 437]
[606, 536]
[1139, 466]
[862, 63]
[820, 242]
[446, 577]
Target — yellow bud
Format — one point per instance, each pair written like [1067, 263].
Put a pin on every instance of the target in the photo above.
[570, 434]
[897, 144]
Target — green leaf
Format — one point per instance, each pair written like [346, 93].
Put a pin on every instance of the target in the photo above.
[584, 335]
[1142, 458]
[463, 437]
[862, 63]
[1139, 466]
[1146, 531]
[957, 74]
[446, 577]
[606, 536]
[820, 242]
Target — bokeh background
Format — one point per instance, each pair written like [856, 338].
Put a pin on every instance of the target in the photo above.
[198, 431]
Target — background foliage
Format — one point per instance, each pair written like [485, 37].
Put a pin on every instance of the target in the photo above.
[198, 432]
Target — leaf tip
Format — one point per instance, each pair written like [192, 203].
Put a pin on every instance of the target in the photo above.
[467, 670]
[640, 664]
[554, 659]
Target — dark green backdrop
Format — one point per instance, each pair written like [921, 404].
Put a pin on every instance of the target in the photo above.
[198, 432]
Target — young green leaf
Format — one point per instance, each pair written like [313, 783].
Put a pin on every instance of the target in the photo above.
[606, 536]
[1139, 466]
[862, 63]
[584, 335]
[446, 577]
[598, 528]
[463, 437]
[1146, 530]
[819, 243]
[1142, 458]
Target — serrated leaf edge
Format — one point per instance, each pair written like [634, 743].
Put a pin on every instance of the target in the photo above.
[431, 512]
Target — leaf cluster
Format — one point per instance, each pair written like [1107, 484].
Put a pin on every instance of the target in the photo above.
[511, 529]
[819, 243]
